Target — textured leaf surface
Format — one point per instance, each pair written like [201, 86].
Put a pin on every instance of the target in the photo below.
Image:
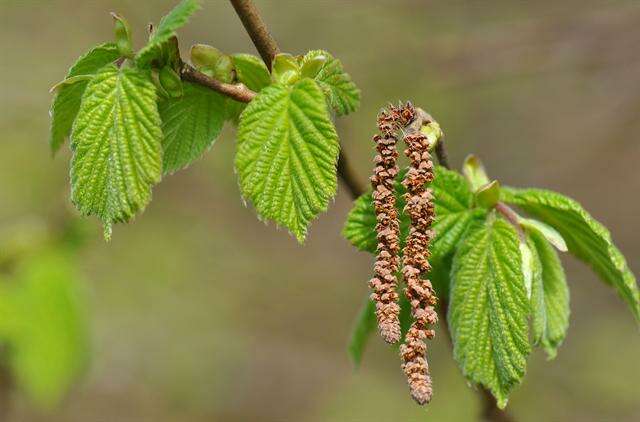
[365, 325]
[166, 29]
[453, 200]
[190, 125]
[287, 154]
[586, 238]
[549, 297]
[47, 334]
[489, 307]
[116, 143]
[342, 94]
[67, 100]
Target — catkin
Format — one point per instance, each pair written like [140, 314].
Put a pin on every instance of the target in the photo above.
[419, 291]
[384, 282]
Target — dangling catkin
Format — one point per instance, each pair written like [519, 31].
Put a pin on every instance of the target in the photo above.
[419, 291]
[384, 282]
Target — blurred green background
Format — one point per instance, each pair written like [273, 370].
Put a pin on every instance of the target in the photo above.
[199, 312]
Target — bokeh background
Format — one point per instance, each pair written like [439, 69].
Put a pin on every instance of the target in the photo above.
[201, 313]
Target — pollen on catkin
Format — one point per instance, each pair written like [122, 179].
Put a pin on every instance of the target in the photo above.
[419, 291]
[384, 282]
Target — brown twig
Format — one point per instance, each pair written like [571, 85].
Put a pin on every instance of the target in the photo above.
[238, 92]
[257, 30]
[441, 153]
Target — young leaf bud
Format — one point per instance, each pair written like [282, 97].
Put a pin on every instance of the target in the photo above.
[123, 36]
[285, 69]
[170, 82]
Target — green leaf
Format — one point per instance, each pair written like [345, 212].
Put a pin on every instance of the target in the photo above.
[251, 71]
[190, 124]
[365, 325]
[489, 307]
[66, 103]
[453, 200]
[287, 154]
[47, 332]
[116, 143]
[586, 238]
[174, 20]
[550, 295]
[342, 94]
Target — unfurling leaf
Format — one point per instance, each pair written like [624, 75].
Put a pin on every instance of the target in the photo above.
[342, 94]
[488, 308]
[286, 69]
[545, 230]
[586, 238]
[174, 20]
[123, 36]
[170, 82]
[116, 143]
[67, 100]
[550, 295]
[251, 71]
[190, 125]
[287, 154]
[475, 173]
[488, 195]
[365, 325]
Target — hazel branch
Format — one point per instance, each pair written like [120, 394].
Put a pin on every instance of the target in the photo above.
[257, 30]
[238, 92]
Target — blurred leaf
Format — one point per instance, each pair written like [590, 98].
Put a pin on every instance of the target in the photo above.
[174, 20]
[47, 332]
[365, 324]
[550, 295]
[287, 154]
[586, 238]
[489, 308]
[67, 100]
[190, 125]
[116, 143]
[342, 94]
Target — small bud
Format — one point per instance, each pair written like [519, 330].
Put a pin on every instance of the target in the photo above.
[204, 56]
[170, 82]
[475, 173]
[487, 196]
[123, 36]
[224, 69]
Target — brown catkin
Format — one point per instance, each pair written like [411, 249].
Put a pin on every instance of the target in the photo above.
[384, 282]
[419, 291]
